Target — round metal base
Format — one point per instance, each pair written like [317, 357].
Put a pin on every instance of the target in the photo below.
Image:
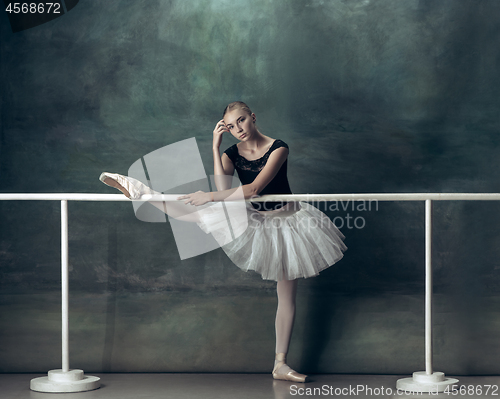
[423, 382]
[60, 381]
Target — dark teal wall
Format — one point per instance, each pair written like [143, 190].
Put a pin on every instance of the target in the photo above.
[371, 96]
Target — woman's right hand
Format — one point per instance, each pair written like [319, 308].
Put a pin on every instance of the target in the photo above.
[219, 130]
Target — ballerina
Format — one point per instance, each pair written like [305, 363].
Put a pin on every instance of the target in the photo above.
[283, 241]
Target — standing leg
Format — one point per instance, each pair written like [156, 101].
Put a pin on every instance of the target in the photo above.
[285, 316]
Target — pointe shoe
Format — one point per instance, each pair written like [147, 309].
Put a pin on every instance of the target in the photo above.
[291, 375]
[130, 187]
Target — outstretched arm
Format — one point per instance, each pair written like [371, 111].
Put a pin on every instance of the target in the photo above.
[273, 165]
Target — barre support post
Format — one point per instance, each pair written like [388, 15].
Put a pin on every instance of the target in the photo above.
[64, 286]
[428, 380]
[428, 288]
[65, 380]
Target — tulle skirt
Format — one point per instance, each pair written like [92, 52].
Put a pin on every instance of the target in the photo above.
[295, 241]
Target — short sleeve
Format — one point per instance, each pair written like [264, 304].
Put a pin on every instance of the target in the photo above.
[278, 144]
[231, 152]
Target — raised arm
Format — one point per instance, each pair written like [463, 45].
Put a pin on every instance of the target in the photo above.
[223, 167]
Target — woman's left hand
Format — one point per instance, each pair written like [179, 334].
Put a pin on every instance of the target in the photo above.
[198, 198]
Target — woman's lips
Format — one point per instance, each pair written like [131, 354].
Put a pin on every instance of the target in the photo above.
[243, 135]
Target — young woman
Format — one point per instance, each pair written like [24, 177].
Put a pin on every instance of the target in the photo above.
[283, 241]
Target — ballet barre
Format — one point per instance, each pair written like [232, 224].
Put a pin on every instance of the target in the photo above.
[66, 380]
[269, 197]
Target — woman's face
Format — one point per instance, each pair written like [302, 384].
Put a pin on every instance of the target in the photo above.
[240, 124]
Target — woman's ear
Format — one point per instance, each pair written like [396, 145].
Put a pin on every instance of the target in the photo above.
[253, 118]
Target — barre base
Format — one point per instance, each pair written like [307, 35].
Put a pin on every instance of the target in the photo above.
[423, 382]
[60, 381]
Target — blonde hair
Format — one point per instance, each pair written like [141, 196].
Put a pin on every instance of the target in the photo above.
[237, 104]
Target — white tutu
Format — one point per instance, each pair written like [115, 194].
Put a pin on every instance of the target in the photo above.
[279, 245]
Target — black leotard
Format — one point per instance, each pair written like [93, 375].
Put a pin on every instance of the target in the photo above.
[248, 171]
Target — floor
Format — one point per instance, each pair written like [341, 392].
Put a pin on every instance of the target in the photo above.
[242, 386]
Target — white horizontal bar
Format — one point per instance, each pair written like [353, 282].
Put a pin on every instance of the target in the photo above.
[380, 197]
[64, 197]
[274, 197]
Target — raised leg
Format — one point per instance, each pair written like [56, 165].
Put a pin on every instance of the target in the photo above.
[179, 210]
[134, 189]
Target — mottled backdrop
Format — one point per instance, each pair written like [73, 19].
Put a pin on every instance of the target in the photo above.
[371, 96]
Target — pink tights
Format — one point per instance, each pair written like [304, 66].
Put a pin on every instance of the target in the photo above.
[285, 316]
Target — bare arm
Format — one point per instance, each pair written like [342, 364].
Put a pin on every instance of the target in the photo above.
[273, 165]
[223, 170]
[223, 167]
